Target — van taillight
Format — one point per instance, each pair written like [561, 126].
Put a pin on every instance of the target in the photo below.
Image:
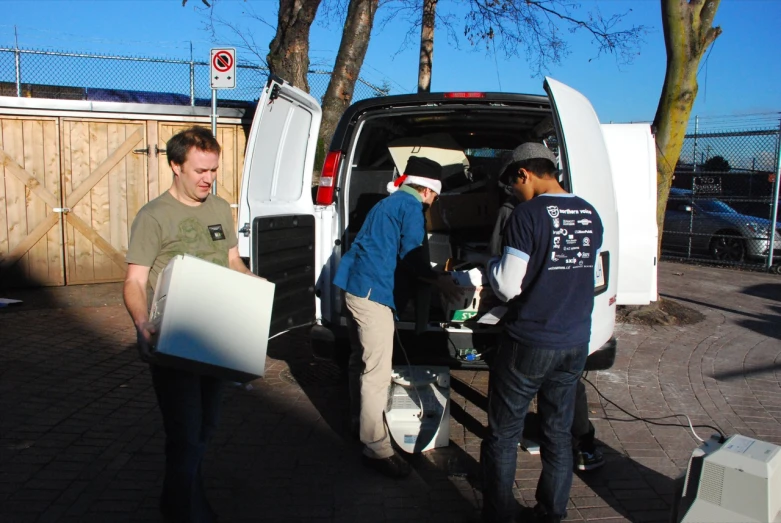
[465, 95]
[325, 191]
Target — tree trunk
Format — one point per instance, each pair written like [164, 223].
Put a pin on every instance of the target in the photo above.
[352, 50]
[288, 55]
[688, 33]
[426, 45]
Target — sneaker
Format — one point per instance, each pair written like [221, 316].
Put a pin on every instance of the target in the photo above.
[394, 467]
[589, 460]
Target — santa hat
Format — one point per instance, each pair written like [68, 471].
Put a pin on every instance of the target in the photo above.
[420, 171]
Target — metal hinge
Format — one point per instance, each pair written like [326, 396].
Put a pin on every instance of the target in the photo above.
[63, 210]
[244, 230]
[274, 93]
[146, 149]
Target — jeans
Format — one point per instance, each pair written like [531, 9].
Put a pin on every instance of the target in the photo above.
[583, 432]
[190, 405]
[518, 373]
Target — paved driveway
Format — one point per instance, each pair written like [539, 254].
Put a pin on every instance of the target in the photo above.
[81, 439]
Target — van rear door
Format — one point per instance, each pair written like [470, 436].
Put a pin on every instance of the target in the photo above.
[276, 214]
[585, 160]
[632, 151]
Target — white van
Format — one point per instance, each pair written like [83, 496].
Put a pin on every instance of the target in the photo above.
[296, 239]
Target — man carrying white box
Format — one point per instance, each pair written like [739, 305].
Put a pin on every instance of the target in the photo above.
[186, 219]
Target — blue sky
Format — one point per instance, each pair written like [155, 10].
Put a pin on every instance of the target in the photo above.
[742, 75]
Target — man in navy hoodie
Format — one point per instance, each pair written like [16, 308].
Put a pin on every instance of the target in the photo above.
[546, 275]
[393, 233]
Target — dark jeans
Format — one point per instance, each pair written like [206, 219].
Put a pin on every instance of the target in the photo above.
[518, 373]
[190, 405]
[582, 429]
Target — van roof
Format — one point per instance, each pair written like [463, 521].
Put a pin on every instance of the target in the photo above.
[349, 117]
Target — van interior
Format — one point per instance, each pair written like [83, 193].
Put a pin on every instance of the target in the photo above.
[470, 142]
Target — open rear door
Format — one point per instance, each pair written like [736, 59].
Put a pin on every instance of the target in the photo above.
[276, 214]
[633, 160]
[586, 164]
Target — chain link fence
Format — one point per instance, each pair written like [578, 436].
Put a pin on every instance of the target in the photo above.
[723, 203]
[84, 76]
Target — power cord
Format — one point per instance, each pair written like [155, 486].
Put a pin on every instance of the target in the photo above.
[722, 438]
[409, 368]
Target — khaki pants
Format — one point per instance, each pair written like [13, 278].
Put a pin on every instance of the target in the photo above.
[371, 337]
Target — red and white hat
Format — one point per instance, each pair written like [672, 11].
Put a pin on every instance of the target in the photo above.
[419, 171]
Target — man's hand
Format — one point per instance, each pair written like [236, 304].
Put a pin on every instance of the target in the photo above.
[448, 288]
[144, 334]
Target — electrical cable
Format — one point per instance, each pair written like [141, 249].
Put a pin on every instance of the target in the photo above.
[722, 438]
[409, 368]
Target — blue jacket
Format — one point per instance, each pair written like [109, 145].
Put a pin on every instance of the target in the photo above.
[394, 230]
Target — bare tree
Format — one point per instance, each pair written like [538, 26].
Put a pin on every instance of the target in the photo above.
[688, 32]
[288, 54]
[426, 45]
[536, 29]
[349, 60]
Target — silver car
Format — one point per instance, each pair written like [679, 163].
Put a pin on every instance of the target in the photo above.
[705, 226]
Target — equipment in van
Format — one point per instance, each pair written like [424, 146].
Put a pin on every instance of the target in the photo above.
[211, 319]
[737, 480]
[418, 409]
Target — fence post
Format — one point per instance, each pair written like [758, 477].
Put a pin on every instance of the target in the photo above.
[192, 77]
[694, 149]
[772, 232]
[18, 63]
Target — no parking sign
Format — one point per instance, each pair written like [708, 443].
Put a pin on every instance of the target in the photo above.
[223, 68]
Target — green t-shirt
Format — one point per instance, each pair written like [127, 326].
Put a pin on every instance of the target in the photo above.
[165, 227]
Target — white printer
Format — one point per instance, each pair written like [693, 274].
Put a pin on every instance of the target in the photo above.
[211, 319]
[418, 409]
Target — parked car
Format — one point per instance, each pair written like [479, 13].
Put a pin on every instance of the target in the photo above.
[702, 226]
[298, 243]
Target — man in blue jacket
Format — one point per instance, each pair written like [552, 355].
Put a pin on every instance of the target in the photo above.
[546, 274]
[393, 233]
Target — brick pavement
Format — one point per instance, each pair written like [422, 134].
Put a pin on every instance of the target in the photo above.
[81, 439]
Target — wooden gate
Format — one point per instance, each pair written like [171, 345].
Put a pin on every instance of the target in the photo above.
[233, 141]
[70, 188]
[104, 185]
[30, 223]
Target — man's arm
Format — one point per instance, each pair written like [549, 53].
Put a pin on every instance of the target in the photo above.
[236, 263]
[134, 293]
[506, 273]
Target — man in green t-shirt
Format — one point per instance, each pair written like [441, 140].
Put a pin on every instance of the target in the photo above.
[186, 219]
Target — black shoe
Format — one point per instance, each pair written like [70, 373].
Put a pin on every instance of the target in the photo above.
[393, 467]
[589, 460]
[541, 516]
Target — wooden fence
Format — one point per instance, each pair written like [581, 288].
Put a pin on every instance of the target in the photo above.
[72, 178]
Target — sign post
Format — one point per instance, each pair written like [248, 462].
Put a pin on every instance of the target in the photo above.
[222, 75]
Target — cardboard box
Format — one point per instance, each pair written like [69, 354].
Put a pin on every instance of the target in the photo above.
[474, 287]
[441, 148]
[211, 319]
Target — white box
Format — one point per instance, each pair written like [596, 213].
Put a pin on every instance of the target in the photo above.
[472, 284]
[211, 319]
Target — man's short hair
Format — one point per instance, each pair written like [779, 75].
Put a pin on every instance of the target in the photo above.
[540, 167]
[195, 137]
